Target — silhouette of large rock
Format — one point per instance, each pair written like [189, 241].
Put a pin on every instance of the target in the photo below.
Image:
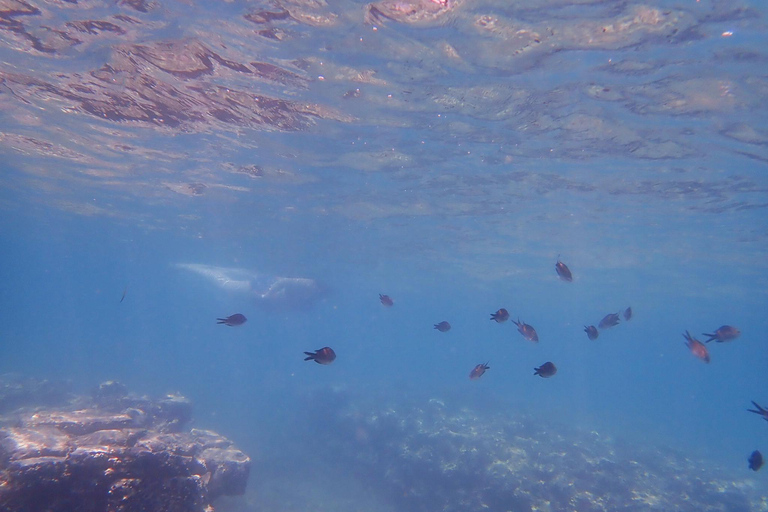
[116, 452]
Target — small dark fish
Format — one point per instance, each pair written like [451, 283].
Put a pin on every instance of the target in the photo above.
[386, 300]
[500, 316]
[443, 326]
[478, 371]
[755, 460]
[563, 271]
[696, 347]
[760, 410]
[324, 355]
[232, 320]
[591, 331]
[546, 370]
[609, 321]
[628, 314]
[125, 290]
[526, 330]
[724, 333]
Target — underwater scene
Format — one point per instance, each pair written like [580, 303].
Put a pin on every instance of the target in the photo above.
[399, 256]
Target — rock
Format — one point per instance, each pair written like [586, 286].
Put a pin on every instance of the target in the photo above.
[436, 456]
[119, 453]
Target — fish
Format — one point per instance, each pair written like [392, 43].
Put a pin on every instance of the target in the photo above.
[724, 333]
[628, 314]
[546, 370]
[760, 410]
[563, 271]
[609, 321]
[443, 326]
[697, 348]
[232, 320]
[386, 300]
[755, 460]
[526, 330]
[591, 331]
[324, 355]
[502, 315]
[478, 371]
[273, 293]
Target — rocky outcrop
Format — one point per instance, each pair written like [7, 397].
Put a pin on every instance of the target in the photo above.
[115, 452]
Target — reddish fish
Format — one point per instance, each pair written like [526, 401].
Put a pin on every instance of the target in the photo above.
[443, 326]
[386, 300]
[563, 271]
[724, 333]
[546, 370]
[478, 371]
[500, 316]
[591, 331]
[232, 320]
[696, 347]
[526, 330]
[325, 355]
[609, 320]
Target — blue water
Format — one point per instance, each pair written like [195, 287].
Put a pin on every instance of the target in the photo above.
[451, 184]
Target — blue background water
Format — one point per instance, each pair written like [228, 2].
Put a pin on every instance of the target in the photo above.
[473, 218]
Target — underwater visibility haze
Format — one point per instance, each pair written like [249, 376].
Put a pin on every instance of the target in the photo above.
[409, 255]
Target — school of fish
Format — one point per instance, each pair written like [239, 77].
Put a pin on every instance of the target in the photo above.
[723, 334]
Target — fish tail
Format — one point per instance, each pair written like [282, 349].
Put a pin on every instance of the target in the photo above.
[309, 355]
[711, 337]
[221, 321]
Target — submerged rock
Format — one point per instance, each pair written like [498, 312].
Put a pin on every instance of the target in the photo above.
[434, 456]
[117, 452]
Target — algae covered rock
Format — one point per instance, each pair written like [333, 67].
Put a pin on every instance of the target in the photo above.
[116, 452]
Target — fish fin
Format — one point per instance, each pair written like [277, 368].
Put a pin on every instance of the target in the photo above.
[309, 357]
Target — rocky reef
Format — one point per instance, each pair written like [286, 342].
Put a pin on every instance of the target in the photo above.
[113, 451]
[438, 456]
